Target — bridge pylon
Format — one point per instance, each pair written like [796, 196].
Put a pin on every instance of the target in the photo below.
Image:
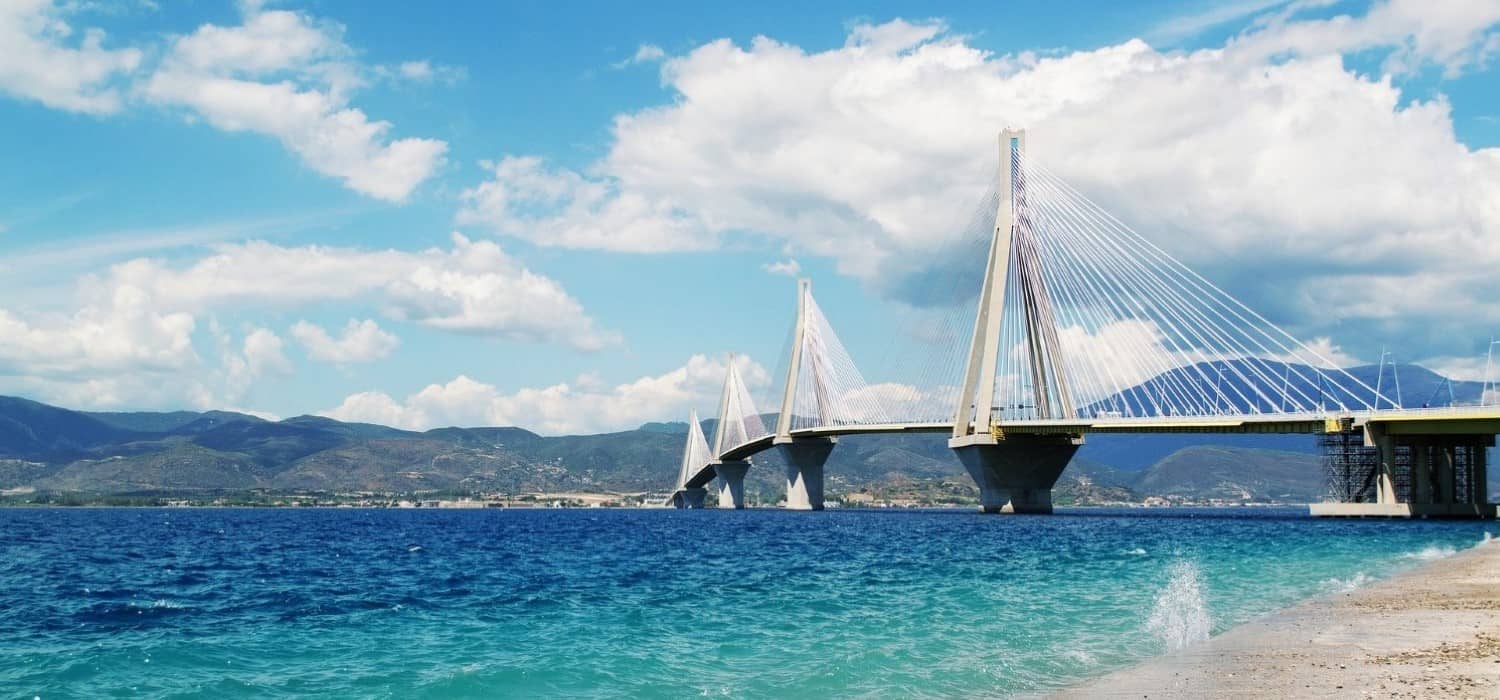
[805, 457]
[696, 459]
[1014, 475]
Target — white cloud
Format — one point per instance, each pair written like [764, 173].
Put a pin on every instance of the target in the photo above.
[118, 331]
[425, 72]
[259, 355]
[523, 199]
[645, 53]
[1454, 34]
[361, 341]
[474, 287]
[583, 407]
[1185, 26]
[1267, 159]
[130, 339]
[788, 267]
[47, 60]
[287, 75]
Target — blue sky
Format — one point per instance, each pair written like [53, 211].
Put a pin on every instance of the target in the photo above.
[560, 215]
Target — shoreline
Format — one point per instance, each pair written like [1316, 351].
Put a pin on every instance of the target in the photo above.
[1431, 631]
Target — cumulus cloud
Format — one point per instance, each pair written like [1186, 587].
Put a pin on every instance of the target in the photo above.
[526, 199]
[260, 354]
[361, 341]
[474, 287]
[130, 340]
[287, 75]
[581, 407]
[1268, 162]
[48, 60]
[120, 330]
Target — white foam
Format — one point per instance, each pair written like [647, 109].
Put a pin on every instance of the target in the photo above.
[1340, 585]
[1180, 616]
[1137, 551]
[1430, 553]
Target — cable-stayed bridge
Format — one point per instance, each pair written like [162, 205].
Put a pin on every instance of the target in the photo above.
[1083, 326]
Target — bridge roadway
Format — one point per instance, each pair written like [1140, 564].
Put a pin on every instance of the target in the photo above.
[1461, 420]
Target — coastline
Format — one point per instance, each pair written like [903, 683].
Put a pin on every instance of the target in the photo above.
[1432, 631]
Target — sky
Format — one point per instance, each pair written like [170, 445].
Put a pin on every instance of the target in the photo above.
[566, 215]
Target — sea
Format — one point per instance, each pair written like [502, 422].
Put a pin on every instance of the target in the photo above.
[602, 603]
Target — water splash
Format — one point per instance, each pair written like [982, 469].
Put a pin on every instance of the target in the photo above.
[1180, 616]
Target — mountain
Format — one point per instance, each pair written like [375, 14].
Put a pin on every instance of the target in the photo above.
[50, 450]
[1234, 474]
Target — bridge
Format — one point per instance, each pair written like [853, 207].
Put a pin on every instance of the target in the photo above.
[1081, 326]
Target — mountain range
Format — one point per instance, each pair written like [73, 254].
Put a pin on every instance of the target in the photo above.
[50, 450]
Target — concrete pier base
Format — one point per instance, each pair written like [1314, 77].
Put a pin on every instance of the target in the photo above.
[1420, 475]
[804, 471]
[1470, 511]
[690, 498]
[1015, 475]
[731, 476]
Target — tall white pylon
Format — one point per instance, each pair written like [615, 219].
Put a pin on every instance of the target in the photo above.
[739, 423]
[695, 455]
[1011, 237]
[794, 365]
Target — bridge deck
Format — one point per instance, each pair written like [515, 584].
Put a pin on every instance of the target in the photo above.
[1474, 420]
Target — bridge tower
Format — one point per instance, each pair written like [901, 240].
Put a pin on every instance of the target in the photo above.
[1016, 474]
[805, 456]
[695, 458]
[731, 472]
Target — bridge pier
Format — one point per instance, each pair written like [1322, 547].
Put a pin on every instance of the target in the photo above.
[731, 475]
[1422, 475]
[690, 498]
[805, 458]
[1015, 475]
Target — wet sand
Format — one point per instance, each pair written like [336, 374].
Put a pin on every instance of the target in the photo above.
[1432, 632]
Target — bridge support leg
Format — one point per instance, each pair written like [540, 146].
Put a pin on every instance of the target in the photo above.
[804, 471]
[1015, 475]
[732, 483]
[1421, 471]
[689, 498]
[1385, 470]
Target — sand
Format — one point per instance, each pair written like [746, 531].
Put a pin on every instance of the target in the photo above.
[1432, 632]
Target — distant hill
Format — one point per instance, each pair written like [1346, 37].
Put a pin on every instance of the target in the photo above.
[46, 449]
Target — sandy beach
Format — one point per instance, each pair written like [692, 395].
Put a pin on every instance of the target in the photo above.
[1432, 632]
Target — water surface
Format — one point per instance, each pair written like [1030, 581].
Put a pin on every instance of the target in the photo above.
[607, 603]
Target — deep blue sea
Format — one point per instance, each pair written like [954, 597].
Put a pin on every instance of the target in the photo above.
[227, 603]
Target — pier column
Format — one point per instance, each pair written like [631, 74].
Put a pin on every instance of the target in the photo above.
[1015, 475]
[805, 458]
[1446, 462]
[1421, 471]
[1385, 469]
[731, 483]
[689, 498]
[1481, 478]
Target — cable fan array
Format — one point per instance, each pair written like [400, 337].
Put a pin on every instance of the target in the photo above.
[695, 456]
[739, 422]
[830, 390]
[1135, 332]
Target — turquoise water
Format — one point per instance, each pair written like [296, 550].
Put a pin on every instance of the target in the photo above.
[602, 603]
